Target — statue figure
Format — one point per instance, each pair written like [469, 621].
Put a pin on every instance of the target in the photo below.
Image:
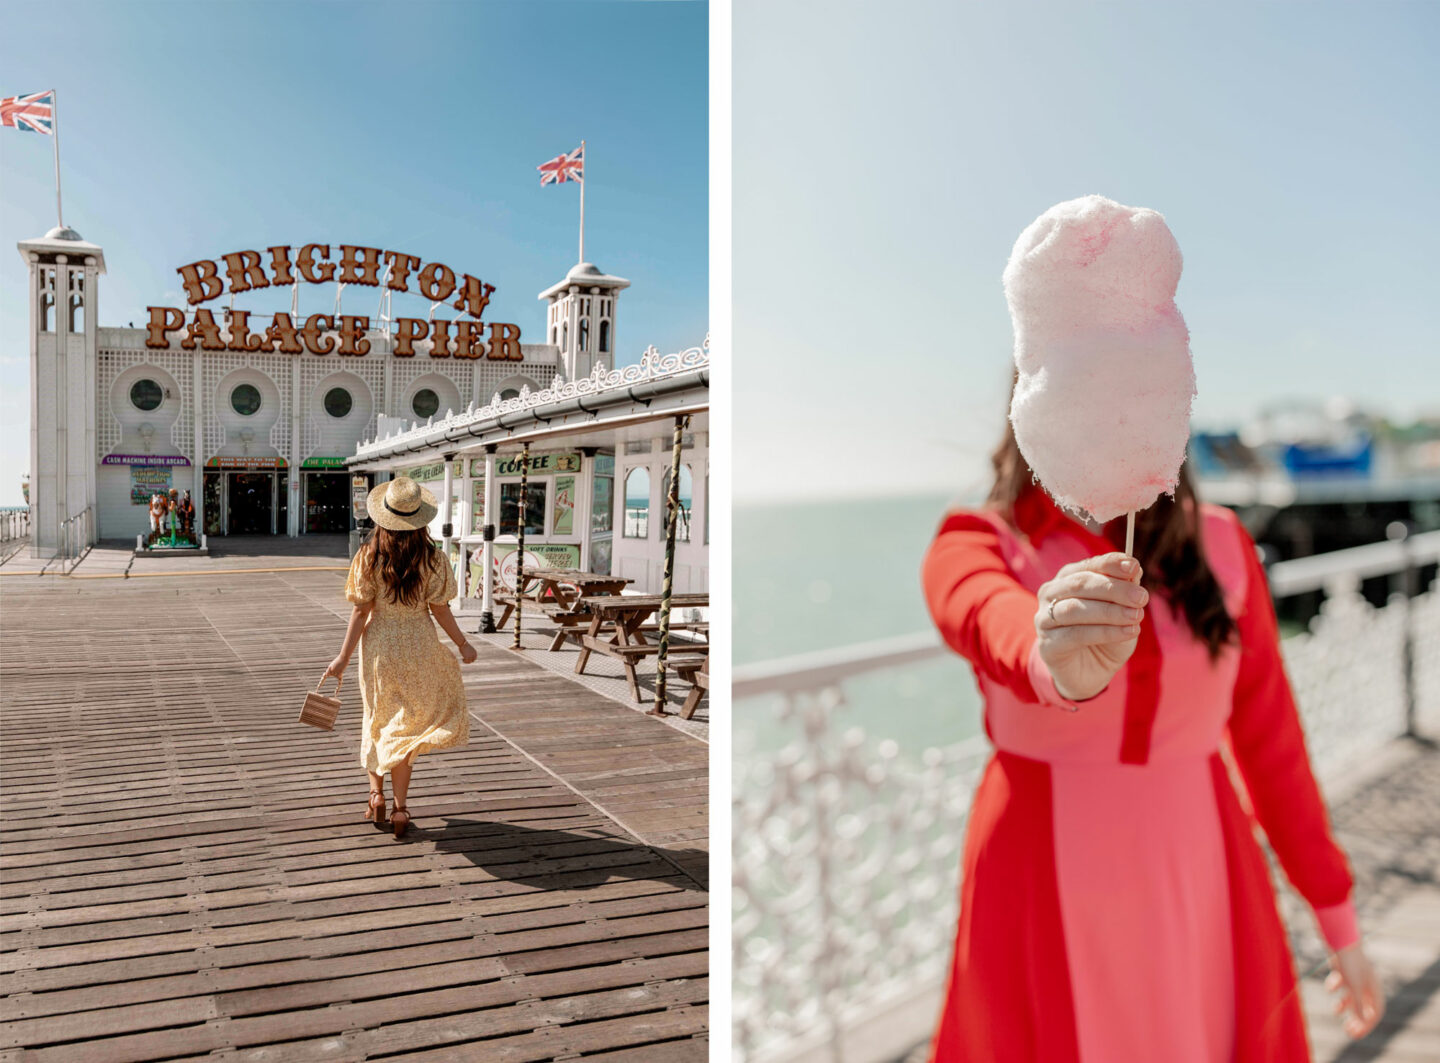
[187, 518]
[157, 515]
[172, 512]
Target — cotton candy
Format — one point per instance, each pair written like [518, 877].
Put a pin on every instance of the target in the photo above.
[1102, 405]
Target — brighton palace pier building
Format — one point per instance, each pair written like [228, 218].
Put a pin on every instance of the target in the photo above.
[257, 413]
[277, 422]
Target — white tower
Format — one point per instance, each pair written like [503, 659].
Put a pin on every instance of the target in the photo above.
[64, 343]
[580, 319]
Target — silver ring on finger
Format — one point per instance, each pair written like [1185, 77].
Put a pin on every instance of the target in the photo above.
[1052, 611]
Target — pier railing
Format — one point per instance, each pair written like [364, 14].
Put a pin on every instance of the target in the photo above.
[846, 854]
[14, 524]
[77, 534]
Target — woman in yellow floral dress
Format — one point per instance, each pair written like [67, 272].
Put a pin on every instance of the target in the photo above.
[414, 699]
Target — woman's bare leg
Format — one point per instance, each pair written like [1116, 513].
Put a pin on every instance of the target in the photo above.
[400, 779]
[377, 781]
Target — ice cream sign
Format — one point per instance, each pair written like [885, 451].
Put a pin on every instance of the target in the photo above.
[283, 267]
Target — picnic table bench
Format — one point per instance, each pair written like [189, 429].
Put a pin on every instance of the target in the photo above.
[618, 629]
[698, 676]
[558, 592]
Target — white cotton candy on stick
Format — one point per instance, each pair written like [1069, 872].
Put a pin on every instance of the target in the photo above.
[1102, 404]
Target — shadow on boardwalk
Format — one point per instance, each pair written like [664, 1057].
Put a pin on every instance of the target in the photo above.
[188, 874]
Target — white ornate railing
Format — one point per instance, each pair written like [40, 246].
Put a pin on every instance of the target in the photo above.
[14, 524]
[846, 855]
[652, 366]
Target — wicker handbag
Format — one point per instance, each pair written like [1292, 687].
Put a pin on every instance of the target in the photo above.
[319, 710]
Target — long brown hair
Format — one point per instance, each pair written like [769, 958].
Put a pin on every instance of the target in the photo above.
[402, 560]
[1167, 542]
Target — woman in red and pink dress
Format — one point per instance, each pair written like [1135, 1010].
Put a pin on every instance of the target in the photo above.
[1115, 904]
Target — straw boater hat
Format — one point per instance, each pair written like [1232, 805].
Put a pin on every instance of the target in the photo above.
[401, 505]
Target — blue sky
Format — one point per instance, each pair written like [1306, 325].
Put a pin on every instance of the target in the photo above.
[886, 156]
[190, 130]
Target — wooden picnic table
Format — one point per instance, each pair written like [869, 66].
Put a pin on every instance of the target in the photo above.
[558, 591]
[617, 629]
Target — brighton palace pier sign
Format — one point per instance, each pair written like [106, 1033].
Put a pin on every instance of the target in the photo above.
[278, 267]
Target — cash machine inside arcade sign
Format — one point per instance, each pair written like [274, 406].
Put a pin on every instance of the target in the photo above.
[279, 267]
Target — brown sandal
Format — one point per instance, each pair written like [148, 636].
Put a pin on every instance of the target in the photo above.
[374, 812]
[400, 828]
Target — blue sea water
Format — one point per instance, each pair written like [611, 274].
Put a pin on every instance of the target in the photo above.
[820, 575]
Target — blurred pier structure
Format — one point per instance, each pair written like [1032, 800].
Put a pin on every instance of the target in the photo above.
[847, 853]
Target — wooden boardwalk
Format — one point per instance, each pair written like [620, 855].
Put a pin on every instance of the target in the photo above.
[187, 875]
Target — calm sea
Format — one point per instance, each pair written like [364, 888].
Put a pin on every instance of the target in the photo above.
[818, 575]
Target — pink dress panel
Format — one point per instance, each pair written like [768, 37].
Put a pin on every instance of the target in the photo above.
[1139, 853]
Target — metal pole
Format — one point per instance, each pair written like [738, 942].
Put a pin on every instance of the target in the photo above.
[490, 494]
[55, 136]
[672, 515]
[583, 160]
[520, 533]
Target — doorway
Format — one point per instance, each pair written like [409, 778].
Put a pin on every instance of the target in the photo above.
[252, 503]
[327, 502]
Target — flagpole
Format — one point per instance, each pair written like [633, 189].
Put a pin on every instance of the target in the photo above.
[55, 135]
[582, 201]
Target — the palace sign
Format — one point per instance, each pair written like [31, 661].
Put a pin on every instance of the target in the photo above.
[279, 267]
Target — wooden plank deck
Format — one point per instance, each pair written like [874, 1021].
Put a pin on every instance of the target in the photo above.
[187, 875]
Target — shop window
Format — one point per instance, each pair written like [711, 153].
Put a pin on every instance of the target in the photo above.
[338, 402]
[637, 504]
[146, 395]
[602, 503]
[245, 399]
[604, 337]
[425, 403]
[534, 508]
[682, 520]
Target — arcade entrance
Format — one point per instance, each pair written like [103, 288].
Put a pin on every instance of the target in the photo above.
[327, 502]
[245, 503]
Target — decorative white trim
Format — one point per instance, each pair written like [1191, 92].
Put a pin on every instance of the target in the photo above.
[652, 366]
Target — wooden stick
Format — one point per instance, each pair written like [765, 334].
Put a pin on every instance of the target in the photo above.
[1130, 534]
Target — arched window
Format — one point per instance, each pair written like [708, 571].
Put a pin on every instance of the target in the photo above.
[682, 521]
[584, 334]
[604, 337]
[47, 300]
[637, 504]
[509, 393]
[75, 303]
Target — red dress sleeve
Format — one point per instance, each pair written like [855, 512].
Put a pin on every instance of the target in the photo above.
[983, 612]
[1269, 746]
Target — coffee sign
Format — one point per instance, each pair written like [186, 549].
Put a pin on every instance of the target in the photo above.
[281, 267]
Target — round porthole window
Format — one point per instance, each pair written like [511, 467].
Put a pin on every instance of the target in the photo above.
[338, 402]
[245, 399]
[146, 395]
[425, 403]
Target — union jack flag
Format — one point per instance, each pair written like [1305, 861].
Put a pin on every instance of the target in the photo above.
[31, 114]
[564, 168]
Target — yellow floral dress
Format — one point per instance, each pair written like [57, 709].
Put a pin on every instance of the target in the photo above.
[410, 683]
